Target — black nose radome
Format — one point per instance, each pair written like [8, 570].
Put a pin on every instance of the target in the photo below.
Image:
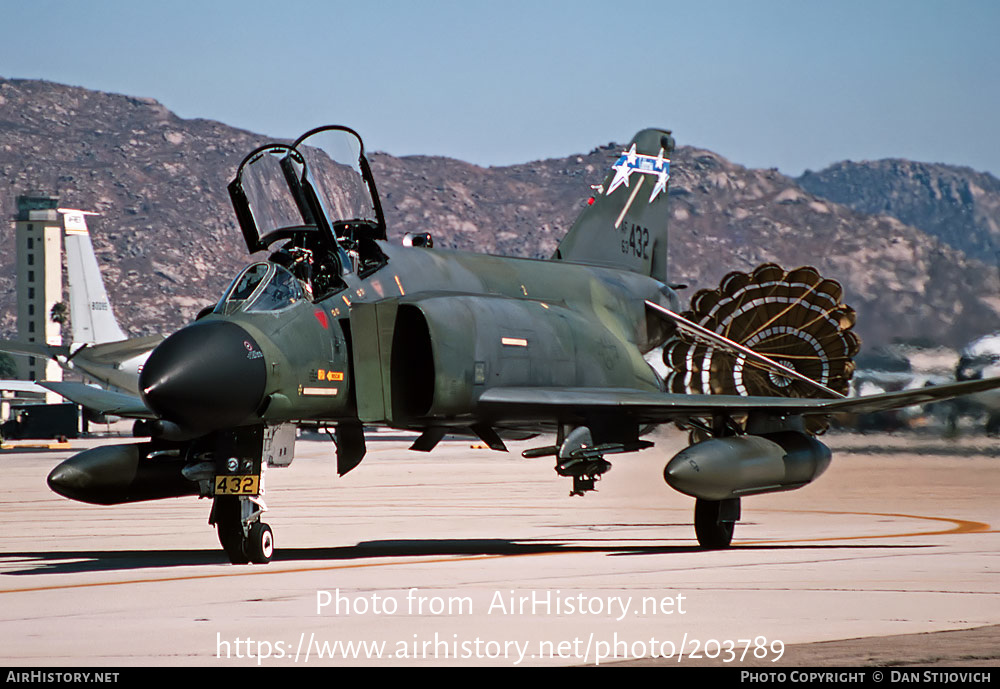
[210, 375]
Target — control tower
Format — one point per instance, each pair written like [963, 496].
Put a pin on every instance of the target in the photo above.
[38, 231]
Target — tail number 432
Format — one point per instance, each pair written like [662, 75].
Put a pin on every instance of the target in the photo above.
[635, 241]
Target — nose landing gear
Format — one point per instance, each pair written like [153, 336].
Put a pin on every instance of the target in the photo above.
[243, 536]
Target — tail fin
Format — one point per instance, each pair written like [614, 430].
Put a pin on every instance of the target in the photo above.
[90, 310]
[625, 225]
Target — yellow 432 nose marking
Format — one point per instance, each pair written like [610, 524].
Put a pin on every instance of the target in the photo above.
[237, 485]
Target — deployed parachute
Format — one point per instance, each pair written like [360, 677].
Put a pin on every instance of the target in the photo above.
[795, 318]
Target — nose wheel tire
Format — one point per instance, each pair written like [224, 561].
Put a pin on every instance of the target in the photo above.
[260, 543]
[229, 525]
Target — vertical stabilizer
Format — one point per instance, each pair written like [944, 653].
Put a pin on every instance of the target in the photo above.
[625, 226]
[90, 310]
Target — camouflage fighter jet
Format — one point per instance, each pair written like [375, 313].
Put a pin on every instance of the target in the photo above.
[336, 325]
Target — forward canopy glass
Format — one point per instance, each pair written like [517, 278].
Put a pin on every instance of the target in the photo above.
[261, 287]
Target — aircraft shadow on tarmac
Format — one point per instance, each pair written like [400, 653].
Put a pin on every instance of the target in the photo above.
[929, 451]
[70, 562]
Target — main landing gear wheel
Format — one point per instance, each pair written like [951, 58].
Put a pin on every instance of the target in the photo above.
[714, 521]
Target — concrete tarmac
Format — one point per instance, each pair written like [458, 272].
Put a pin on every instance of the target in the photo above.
[466, 556]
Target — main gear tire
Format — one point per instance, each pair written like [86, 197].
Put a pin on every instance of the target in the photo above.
[712, 531]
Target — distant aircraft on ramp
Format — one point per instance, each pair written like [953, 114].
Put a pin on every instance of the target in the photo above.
[101, 351]
[980, 359]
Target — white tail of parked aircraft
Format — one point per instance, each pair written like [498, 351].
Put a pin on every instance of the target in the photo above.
[90, 309]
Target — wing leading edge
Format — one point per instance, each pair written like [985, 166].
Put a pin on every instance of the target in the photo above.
[100, 400]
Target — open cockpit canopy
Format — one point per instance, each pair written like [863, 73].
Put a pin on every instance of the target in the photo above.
[317, 196]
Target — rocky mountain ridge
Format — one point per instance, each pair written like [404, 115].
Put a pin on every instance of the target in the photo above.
[168, 243]
[958, 205]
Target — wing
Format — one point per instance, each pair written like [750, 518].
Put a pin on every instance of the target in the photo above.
[34, 349]
[20, 386]
[104, 353]
[116, 352]
[520, 404]
[102, 401]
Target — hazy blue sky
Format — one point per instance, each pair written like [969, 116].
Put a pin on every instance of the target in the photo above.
[791, 84]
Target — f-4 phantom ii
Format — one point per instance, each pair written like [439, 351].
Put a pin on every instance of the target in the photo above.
[340, 327]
